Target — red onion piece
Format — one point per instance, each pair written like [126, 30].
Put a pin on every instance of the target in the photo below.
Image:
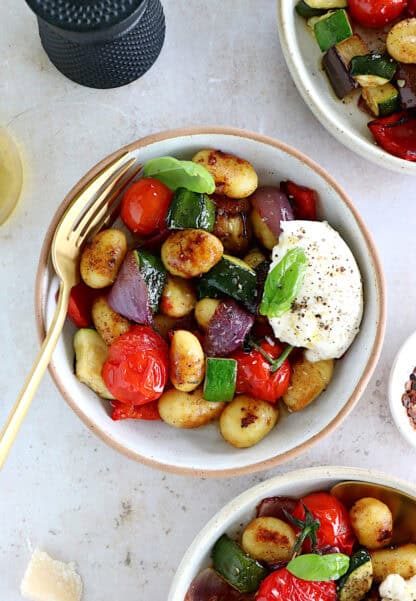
[227, 329]
[209, 586]
[273, 207]
[129, 295]
[274, 507]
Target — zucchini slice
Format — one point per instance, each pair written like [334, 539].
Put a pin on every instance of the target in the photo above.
[332, 28]
[230, 277]
[327, 4]
[90, 355]
[382, 100]
[220, 379]
[304, 10]
[358, 580]
[236, 567]
[373, 69]
[336, 63]
[190, 210]
[154, 275]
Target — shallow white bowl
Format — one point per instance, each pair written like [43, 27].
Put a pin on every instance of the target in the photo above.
[403, 366]
[242, 509]
[344, 120]
[203, 451]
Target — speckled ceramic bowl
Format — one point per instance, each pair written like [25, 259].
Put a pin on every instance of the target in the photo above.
[242, 509]
[203, 451]
[344, 120]
[403, 366]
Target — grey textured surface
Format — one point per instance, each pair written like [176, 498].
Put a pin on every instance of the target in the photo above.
[127, 526]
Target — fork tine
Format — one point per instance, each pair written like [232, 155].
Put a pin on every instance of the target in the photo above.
[97, 202]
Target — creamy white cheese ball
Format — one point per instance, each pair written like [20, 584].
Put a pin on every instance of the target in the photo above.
[326, 315]
[396, 588]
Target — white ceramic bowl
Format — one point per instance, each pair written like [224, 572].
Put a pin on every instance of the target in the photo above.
[203, 451]
[242, 509]
[402, 367]
[344, 120]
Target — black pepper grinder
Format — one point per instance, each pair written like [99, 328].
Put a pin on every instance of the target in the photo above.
[101, 43]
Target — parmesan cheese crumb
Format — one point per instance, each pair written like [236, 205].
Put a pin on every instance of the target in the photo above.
[47, 579]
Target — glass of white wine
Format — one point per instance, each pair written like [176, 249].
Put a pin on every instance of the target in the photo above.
[11, 175]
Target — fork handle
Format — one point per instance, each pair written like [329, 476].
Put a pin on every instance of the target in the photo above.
[22, 404]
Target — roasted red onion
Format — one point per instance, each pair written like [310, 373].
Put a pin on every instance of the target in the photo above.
[273, 207]
[209, 586]
[274, 507]
[227, 329]
[129, 295]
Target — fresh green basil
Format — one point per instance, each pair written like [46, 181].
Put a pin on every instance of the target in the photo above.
[283, 283]
[180, 174]
[319, 568]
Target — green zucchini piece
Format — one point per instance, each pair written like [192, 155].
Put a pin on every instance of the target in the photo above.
[220, 380]
[304, 10]
[327, 4]
[90, 355]
[236, 567]
[373, 69]
[154, 275]
[332, 28]
[230, 277]
[358, 580]
[382, 100]
[190, 210]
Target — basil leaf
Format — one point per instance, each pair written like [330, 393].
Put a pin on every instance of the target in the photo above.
[283, 283]
[180, 174]
[319, 568]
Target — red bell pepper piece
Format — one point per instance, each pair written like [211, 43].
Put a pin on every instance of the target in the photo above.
[81, 299]
[149, 411]
[302, 199]
[397, 134]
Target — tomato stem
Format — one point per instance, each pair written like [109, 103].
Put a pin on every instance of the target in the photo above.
[308, 529]
[275, 363]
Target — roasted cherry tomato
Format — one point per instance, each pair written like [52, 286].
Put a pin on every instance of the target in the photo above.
[281, 585]
[302, 199]
[411, 8]
[255, 376]
[136, 370]
[397, 134]
[81, 299]
[376, 13]
[148, 411]
[144, 206]
[335, 528]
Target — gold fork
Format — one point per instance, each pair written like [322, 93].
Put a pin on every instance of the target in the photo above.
[85, 216]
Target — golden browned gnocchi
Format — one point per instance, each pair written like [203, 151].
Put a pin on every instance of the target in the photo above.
[401, 41]
[401, 560]
[187, 409]
[187, 361]
[109, 324]
[234, 231]
[91, 353]
[178, 297]
[254, 258]
[204, 310]
[190, 253]
[307, 382]
[245, 421]
[102, 257]
[234, 177]
[262, 230]
[269, 539]
[372, 522]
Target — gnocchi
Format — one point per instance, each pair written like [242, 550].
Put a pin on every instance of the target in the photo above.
[102, 257]
[234, 231]
[187, 409]
[190, 253]
[233, 176]
[178, 297]
[109, 324]
[401, 41]
[307, 382]
[245, 421]
[262, 230]
[269, 539]
[401, 560]
[254, 258]
[187, 367]
[372, 522]
[204, 310]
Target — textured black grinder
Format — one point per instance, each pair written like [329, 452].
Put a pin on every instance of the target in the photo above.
[101, 43]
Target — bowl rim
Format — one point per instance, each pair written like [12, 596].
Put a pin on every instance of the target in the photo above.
[251, 496]
[378, 272]
[346, 136]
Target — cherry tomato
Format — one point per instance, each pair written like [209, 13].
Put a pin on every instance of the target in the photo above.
[148, 411]
[136, 370]
[376, 13]
[144, 206]
[255, 377]
[411, 8]
[335, 529]
[303, 200]
[281, 585]
[81, 299]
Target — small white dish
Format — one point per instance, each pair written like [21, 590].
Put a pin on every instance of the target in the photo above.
[344, 120]
[402, 367]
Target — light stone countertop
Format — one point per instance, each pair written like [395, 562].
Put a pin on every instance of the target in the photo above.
[62, 489]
